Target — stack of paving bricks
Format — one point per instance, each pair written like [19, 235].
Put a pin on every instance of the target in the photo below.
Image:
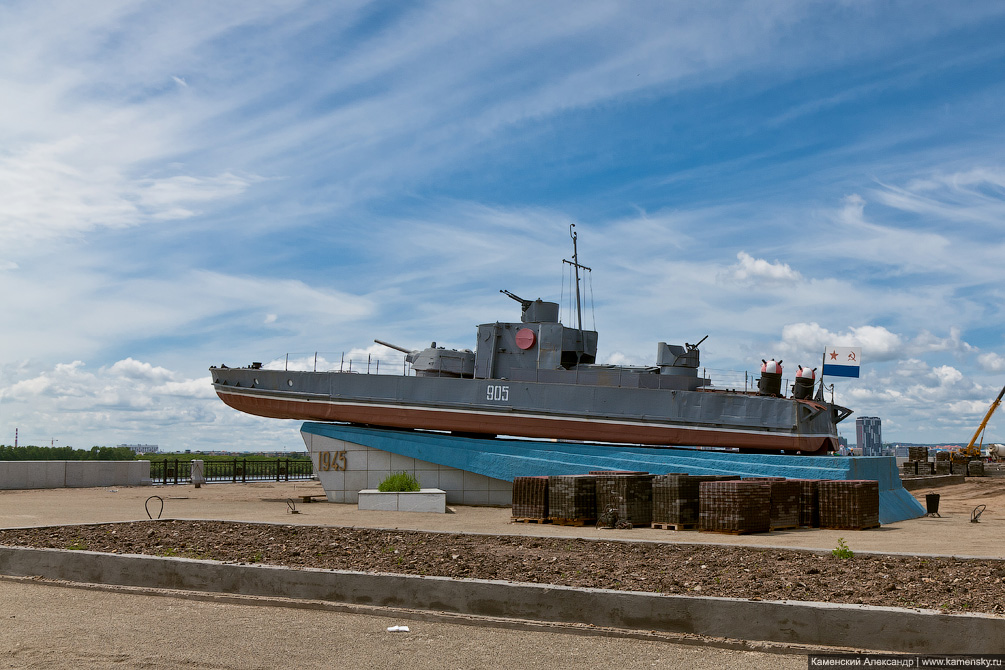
[784, 501]
[943, 465]
[975, 469]
[909, 468]
[675, 498]
[572, 498]
[784, 504]
[630, 493]
[736, 507]
[809, 502]
[530, 498]
[849, 504]
[918, 456]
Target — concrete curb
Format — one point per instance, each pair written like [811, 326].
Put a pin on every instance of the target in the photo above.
[931, 481]
[786, 622]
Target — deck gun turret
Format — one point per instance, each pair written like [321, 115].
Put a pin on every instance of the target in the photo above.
[436, 361]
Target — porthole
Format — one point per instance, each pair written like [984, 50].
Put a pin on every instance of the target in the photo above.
[289, 382]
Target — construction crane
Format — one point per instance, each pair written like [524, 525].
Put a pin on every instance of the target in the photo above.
[973, 450]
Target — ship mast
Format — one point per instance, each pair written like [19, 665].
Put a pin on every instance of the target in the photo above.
[575, 264]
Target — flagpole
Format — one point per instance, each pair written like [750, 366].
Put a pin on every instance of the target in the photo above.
[823, 361]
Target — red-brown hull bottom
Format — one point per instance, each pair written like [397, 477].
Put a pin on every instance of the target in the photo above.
[554, 427]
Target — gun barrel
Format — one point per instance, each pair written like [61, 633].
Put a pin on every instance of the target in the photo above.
[393, 346]
[523, 303]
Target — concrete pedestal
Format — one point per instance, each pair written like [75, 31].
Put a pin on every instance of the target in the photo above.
[423, 500]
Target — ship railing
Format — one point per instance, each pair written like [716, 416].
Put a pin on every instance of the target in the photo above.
[322, 361]
[735, 380]
[728, 380]
[319, 361]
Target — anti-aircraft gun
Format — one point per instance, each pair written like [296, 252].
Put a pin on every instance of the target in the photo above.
[535, 311]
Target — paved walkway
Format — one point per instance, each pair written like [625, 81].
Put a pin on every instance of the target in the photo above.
[56, 627]
[950, 534]
[49, 625]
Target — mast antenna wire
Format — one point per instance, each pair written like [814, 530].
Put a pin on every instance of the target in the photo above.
[561, 299]
[593, 303]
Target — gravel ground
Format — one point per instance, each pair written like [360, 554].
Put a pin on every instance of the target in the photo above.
[948, 584]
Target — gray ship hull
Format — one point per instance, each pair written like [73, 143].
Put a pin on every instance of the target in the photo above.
[541, 409]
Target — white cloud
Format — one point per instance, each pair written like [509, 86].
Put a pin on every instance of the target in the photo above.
[877, 342]
[947, 375]
[59, 189]
[128, 398]
[133, 369]
[891, 249]
[975, 195]
[992, 362]
[758, 271]
[76, 311]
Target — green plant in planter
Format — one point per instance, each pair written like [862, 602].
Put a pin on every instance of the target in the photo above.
[397, 482]
[842, 550]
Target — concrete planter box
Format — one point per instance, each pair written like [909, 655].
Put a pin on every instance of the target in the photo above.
[423, 500]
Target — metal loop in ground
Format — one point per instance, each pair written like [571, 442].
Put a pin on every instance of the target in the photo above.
[147, 508]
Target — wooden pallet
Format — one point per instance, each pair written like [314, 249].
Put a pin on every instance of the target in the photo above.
[673, 526]
[850, 527]
[559, 521]
[528, 519]
[785, 527]
[733, 532]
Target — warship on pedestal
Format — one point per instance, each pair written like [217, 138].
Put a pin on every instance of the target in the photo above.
[539, 378]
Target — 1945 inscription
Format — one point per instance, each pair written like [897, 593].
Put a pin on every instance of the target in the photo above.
[331, 460]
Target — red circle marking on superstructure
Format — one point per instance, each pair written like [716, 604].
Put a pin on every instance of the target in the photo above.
[525, 338]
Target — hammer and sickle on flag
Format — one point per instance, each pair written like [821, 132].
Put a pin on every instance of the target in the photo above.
[842, 361]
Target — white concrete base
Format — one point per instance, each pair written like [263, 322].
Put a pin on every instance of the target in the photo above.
[345, 468]
[423, 500]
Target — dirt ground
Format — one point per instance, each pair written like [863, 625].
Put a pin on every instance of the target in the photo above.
[907, 564]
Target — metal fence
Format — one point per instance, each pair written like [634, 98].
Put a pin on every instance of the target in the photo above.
[237, 470]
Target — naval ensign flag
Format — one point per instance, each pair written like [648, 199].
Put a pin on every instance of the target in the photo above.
[842, 361]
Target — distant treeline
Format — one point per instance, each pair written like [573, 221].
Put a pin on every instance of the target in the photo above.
[31, 453]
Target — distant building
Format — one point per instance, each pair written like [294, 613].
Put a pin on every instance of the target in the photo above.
[141, 448]
[869, 435]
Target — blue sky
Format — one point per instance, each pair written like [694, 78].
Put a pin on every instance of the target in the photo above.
[185, 184]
